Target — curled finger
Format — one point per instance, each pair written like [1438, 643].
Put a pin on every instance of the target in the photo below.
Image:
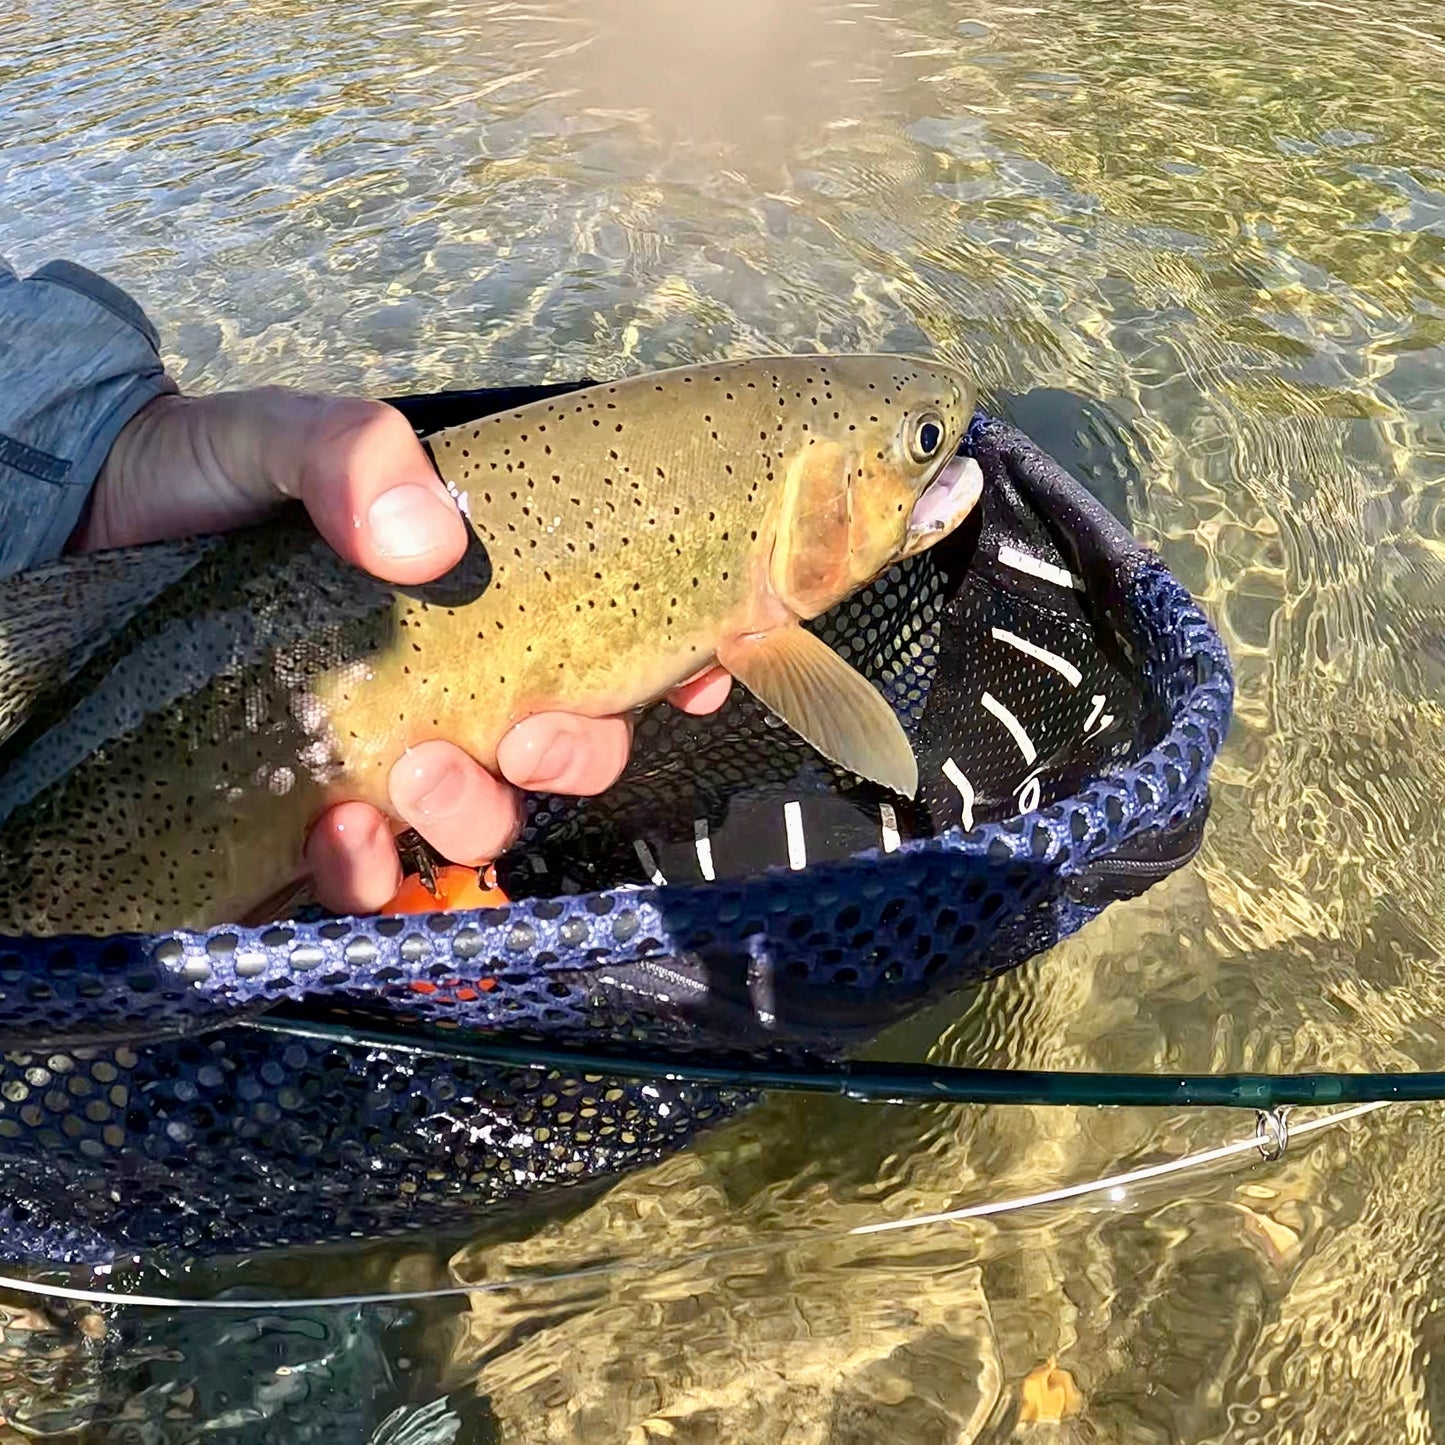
[703, 694]
[562, 753]
[464, 812]
[352, 859]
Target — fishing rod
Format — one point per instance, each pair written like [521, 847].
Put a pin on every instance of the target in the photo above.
[890, 1082]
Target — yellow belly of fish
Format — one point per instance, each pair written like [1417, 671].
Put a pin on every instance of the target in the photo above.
[454, 675]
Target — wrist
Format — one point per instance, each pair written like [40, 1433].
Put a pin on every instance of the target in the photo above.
[185, 465]
[102, 521]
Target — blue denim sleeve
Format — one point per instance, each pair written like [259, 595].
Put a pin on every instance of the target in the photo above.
[78, 359]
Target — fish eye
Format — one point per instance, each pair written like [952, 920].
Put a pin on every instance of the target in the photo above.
[926, 438]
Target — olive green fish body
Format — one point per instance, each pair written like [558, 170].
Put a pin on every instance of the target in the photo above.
[163, 785]
[625, 537]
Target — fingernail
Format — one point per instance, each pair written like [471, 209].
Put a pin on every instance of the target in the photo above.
[554, 763]
[410, 521]
[442, 796]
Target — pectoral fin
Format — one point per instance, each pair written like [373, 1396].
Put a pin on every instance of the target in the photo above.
[826, 702]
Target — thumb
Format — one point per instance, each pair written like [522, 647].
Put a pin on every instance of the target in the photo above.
[373, 493]
[185, 465]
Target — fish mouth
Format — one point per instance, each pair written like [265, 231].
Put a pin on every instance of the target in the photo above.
[944, 503]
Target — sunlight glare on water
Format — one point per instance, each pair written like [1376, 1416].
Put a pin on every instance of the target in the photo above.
[1212, 237]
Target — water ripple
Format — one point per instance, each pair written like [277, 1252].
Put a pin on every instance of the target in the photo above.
[1220, 232]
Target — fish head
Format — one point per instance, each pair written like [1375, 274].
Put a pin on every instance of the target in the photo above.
[876, 479]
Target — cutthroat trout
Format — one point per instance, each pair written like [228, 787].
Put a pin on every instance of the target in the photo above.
[176, 715]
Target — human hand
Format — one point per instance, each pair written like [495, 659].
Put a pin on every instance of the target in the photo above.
[186, 465]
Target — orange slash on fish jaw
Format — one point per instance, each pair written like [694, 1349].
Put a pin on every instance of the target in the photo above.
[809, 563]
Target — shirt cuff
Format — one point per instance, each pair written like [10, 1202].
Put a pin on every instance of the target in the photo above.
[78, 359]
